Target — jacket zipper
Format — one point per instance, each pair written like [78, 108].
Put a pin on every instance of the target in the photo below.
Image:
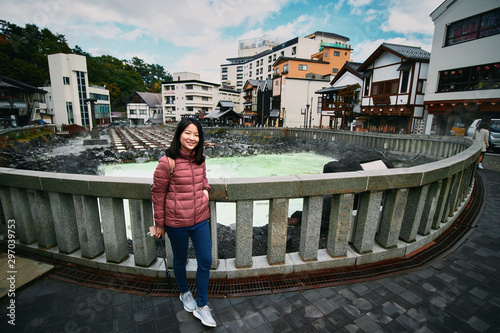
[194, 191]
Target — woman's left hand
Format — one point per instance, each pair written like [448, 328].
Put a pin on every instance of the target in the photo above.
[206, 193]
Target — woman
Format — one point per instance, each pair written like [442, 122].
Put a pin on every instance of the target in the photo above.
[482, 134]
[180, 202]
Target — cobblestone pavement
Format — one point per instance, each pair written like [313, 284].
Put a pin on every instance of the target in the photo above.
[457, 293]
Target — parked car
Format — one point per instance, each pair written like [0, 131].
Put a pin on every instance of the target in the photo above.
[494, 132]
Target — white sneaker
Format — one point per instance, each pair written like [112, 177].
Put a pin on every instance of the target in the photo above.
[205, 316]
[480, 166]
[188, 301]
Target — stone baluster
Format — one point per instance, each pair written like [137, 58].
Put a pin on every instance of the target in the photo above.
[244, 233]
[114, 230]
[42, 218]
[213, 234]
[63, 213]
[413, 213]
[392, 217]
[310, 227]
[8, 210]
[442, 204]
[430, 207]
[277, 230]
[141, 218]
[88, 224]
[340, 224]
[25, 228]
[367, 221]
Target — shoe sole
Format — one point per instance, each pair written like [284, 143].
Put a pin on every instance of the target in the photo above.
[202, 321]
[191, 311]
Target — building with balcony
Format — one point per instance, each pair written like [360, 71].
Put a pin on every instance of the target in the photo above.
[260, 66]
[21, 104]
[340, 103]
[144, 108]
[393, 89]
[69, 92]
[464, 68]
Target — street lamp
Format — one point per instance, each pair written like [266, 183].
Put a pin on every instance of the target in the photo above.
[305, 117]
[94, 133]
[284, 116]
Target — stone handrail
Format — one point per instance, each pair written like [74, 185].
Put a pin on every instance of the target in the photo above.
[375, 215]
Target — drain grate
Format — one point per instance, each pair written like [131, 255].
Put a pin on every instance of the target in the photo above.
[421, 258]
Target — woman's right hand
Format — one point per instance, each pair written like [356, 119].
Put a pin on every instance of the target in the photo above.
[160, 231]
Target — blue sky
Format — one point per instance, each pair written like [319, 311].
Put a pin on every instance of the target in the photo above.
[198, 35]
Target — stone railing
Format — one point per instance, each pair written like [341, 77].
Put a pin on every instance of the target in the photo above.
[375, 215]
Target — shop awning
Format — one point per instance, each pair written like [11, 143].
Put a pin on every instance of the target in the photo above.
[330, 89]
[275, 113]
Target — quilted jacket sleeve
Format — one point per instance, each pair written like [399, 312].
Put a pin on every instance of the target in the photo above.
[161, 179]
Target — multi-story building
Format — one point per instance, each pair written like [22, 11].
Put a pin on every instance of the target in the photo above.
[464, 69]
[69, 92]
[187, 95]
[144, 108]
[340, 103]
[22, 104]
[393, 89]
[260, 66]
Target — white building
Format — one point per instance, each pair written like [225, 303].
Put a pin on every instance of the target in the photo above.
[187, 95]
[70, 90]
[464, 69]
[393, 89]
[260, 66]
[145, 108]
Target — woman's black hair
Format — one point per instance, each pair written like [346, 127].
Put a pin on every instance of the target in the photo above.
[483, 125]
[174, 150]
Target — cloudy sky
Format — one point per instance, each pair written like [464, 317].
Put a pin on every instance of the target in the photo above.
[199, 35]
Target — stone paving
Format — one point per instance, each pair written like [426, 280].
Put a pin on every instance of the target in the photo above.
[457, 293]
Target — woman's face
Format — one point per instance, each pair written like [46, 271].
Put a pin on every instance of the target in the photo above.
[189, 138]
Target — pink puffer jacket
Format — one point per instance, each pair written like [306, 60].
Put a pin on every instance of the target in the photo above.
[178, 199]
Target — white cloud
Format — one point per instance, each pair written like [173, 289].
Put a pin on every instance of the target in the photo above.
[408, 17]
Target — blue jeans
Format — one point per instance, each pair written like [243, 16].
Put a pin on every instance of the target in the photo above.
[200, 237]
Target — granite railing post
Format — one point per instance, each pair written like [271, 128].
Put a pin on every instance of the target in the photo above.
[213, 234]
[113, 227]
[25, 228]
[141, 218]
[244, 233]
[367, 221]
[277, 230]
[452, 197]
[430, 208]
[413, 213]
[88, 224]
[340, 224]
[442, 203]
[63, 212]
[310, 227]
[42, 218]
[8, 210]
[392, 217]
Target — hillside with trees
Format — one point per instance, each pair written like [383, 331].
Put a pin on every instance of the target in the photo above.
[23, 56]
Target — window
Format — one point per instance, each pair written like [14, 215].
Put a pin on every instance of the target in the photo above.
[261, 70]
[189, 98]
[367, 86]
[385, 88]
[143, 112]
[189, 86]
[239, 69]
[285, 69]
[69, 112]
[336, 53]
[269, 59]
[282, 53]
[204, 99]
[224, 77]
[250, 66]
[224, 69]
[274, 56]
[294, 50]
[326, 55]
[250, 74]
[239, 76]
[239, 83]
[335, 70]
[421, 86]
[276, 72]
[404, 81]
[483, 25]
[470, 78]
[190, 108]
[133, 111]
[269, 68]
[66, 80]
[302, 67]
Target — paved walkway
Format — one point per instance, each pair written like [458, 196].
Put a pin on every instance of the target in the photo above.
[458, 293]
